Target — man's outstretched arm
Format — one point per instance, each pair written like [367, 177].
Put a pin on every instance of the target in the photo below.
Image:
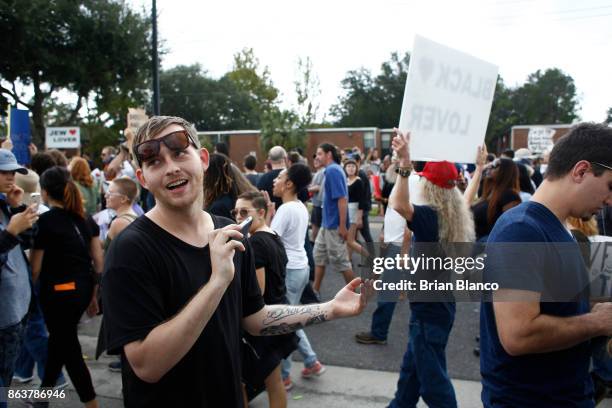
[282, 319]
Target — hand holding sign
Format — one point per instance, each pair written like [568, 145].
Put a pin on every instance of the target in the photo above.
[481, 156]
[401, 145]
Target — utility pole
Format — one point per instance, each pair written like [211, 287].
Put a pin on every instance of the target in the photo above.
[155, 60]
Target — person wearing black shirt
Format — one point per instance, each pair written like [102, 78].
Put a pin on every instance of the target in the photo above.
[180, 284]
[262, 355]
[65, 247]
[500, 193]
[356, 206]
[366, 204]
[277, 157]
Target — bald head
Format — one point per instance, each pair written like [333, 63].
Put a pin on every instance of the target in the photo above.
[277, 155]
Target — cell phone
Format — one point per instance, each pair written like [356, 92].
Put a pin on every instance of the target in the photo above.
[35, 199]
[245, 225]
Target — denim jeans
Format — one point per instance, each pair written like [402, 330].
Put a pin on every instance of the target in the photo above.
[602, 362]
[423, 373]
[34, 348]
[10, 343]
[381, 319]
[296, 280]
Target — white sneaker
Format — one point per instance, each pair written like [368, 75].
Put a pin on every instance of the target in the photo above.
[22, 380]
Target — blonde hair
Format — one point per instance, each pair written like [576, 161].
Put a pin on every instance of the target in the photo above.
[588, 228]
[455, 220]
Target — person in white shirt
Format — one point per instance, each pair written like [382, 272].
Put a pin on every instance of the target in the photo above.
[291, 222]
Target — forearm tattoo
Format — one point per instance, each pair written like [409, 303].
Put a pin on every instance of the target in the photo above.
[275, 321]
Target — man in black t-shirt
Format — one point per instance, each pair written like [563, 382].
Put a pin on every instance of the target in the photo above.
[176, 292]
[277, 156]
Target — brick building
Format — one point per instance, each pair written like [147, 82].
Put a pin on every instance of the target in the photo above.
[243, 142]
[519, 135]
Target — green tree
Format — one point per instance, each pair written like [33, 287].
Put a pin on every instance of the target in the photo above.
[97, 50]
[209, 103]
[608, 119]
[547, 97]
[307, 90]
[372, 101]
[253, 80]
[503, 114]
[283, 128]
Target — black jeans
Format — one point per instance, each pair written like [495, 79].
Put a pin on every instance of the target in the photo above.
[62, 311]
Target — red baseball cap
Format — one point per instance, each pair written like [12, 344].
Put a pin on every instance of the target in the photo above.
[443, 174]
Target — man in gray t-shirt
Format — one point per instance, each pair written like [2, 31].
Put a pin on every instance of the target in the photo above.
[317, 190]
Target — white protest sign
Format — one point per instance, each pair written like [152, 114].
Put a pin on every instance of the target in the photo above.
[136, 117]
[63, 137]
[601, 267]
[540, 138]
[447, 101]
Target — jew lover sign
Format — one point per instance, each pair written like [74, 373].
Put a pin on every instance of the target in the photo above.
[63, 137]
[447, 102]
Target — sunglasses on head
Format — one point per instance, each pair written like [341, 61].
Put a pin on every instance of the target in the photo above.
[175, 141]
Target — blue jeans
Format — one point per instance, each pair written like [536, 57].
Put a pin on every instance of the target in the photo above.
[10, 343]
[381, 319]
[34, 349]
[602, 362]
[296, 280]
[423, 373]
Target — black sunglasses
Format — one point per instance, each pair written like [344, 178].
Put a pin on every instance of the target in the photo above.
[244, 212]
[175, 141]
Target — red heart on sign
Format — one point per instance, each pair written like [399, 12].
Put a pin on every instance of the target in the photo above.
[72, 131]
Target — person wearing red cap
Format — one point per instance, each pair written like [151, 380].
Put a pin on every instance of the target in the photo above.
[445, 219]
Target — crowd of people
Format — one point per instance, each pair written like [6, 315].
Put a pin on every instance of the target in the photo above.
[185, 293]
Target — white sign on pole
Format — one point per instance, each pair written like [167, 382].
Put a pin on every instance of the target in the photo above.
[63, 137]
[447, 102]
[540, 138]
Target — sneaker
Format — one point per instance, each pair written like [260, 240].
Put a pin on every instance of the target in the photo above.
[61, 386]
[316, 369]
[22, 380]
[367, 338]
[288, 383]
[115, 366]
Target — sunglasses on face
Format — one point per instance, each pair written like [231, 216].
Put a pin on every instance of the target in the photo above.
[175, 141]
[244, 212]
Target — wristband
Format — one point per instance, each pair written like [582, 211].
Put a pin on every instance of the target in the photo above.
[403, 171]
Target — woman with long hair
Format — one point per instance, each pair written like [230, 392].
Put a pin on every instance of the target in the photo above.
[65, 256]
[356, 207]
[223, 185]
[445, 219]
[500, 192]
[81, 175]
[291, 222]
[526, 185]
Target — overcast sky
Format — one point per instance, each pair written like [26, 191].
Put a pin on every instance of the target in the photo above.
[520, 36]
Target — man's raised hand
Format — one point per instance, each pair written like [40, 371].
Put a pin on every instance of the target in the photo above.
[347, 303]
[223, 243]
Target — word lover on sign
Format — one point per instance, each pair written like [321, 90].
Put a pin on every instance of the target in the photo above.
[438, 119]
[447, 102]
